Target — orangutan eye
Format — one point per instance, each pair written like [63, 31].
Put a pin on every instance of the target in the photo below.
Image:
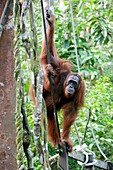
[75, 84]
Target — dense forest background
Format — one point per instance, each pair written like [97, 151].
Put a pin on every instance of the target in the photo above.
[93, 28]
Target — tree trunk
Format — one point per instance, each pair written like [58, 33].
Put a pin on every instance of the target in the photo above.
[7, 94]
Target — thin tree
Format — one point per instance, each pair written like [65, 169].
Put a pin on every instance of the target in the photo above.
[7, 88]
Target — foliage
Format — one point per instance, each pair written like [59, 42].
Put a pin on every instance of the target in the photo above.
[100, 101]
[93, 34]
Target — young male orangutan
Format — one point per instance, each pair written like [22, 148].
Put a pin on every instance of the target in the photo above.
[68, 88]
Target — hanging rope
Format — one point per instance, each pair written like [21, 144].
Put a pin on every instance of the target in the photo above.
[75, 43]
[89, 116]
[50, 77]
[77, 61]
[96, 141]
[88, 121]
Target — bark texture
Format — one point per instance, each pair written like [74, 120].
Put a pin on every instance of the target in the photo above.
[7, 95]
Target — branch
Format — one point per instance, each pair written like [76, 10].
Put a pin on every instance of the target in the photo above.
[35, 46]
[37, 116]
